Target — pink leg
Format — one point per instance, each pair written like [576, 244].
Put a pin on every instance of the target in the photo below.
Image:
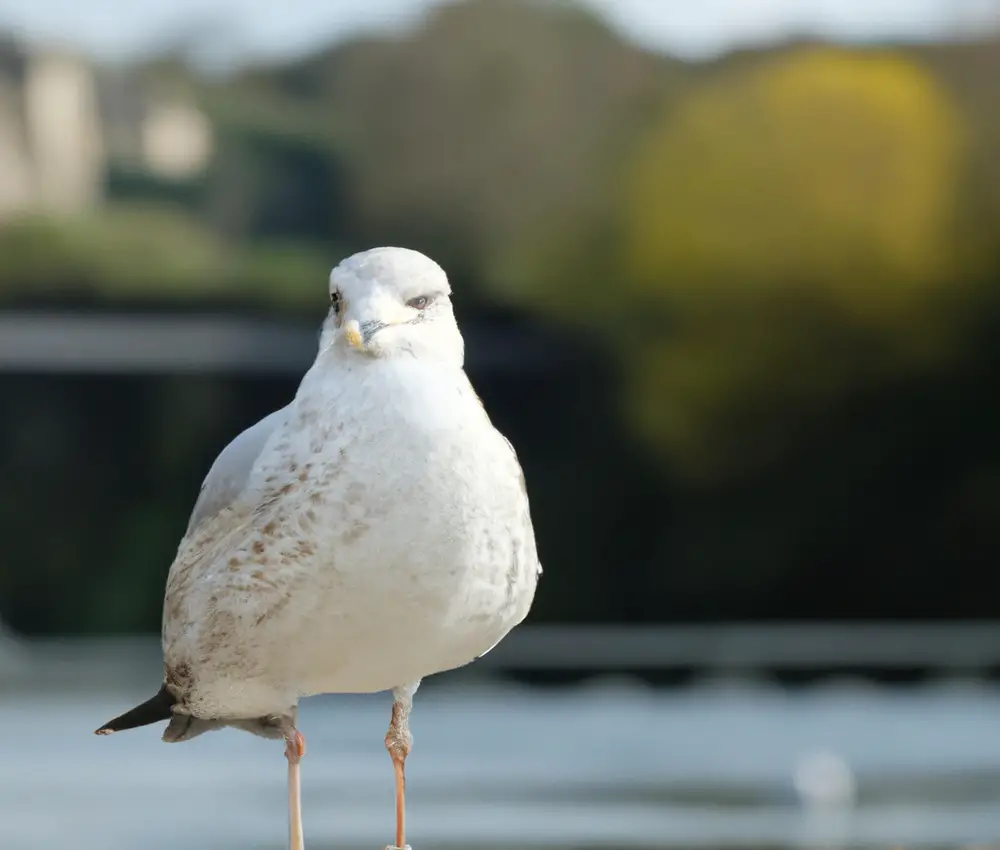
[295, 748]
[398, 741]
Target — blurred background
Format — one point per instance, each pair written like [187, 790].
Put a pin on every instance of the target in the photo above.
[729, 278]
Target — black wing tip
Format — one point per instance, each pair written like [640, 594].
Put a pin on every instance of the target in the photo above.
[156, 708]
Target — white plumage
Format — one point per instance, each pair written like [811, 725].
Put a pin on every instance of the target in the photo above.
[373, 532]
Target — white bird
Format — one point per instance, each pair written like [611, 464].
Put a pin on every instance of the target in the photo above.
[373, 532]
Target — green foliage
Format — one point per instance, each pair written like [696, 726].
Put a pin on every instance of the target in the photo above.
[150, 252]
[823, 170]
[788, 257]
[787, 236]
[969, 72]
[115, 251]
[796, 225]
[278, 172]
[494, 119]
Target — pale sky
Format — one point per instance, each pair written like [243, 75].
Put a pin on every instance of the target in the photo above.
[688, 28]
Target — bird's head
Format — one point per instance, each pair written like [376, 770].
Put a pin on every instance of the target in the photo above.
[387, 302]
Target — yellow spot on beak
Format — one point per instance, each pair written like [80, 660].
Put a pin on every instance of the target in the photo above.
[352, 333]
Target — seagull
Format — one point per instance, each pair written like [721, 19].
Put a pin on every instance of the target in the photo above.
[373, 532]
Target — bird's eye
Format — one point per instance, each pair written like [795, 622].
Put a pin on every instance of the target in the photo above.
[418, 303]
[335, 301]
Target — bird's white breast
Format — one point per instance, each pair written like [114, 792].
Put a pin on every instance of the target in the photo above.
[391, 537]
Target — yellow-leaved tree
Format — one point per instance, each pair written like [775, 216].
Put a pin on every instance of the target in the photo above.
[788, 235]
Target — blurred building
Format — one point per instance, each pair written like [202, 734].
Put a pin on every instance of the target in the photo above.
[62, 122]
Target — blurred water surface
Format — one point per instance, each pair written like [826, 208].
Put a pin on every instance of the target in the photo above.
[612, 764]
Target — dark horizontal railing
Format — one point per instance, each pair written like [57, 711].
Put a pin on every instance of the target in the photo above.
[192, 344]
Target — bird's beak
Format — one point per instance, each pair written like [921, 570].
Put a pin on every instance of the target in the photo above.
[352, 333]
[358, 336]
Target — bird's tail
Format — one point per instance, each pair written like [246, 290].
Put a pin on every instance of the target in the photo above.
[152, 710]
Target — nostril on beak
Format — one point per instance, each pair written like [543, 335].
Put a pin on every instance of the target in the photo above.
[369, 329]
